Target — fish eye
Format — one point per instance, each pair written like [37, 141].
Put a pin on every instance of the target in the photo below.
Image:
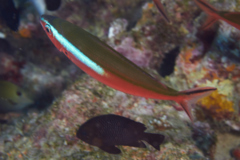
[48, 28]
[19, 93]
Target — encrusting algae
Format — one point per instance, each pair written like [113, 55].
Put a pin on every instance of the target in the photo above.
[206, 58]
[217, 106]
[25, 33]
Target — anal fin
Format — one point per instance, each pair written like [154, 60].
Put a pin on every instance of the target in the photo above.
[138, 144]
[111, 149]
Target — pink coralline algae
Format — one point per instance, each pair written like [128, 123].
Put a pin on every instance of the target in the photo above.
[140, 57]
[10, 68]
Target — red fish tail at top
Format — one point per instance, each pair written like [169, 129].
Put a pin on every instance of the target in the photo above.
[210, 10]
[208, 23]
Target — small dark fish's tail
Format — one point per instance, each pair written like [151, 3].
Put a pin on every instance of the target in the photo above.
[154, 139]
[191, 96]
[210, 10]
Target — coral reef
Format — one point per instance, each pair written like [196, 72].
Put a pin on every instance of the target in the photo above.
[137, 30]
[52, 133]
[140, 57]
[10, 68]
[205, 138]
[217, 106]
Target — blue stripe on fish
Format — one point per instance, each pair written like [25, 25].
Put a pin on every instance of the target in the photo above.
[75, 51]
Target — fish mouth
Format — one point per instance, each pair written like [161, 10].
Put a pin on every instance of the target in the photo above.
[46, 18]
[29, 101]
[42, 22]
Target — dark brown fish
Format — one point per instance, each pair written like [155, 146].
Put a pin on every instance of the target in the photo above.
[106, 131]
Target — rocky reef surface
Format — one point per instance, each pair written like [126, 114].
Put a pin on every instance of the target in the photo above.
[66, 97]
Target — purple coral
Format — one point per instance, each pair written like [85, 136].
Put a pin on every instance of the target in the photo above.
[140, 57]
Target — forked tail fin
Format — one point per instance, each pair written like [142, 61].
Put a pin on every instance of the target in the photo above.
[208, 23]
[210, 10]
[206, 7]
[191, 96]
[154, 139]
